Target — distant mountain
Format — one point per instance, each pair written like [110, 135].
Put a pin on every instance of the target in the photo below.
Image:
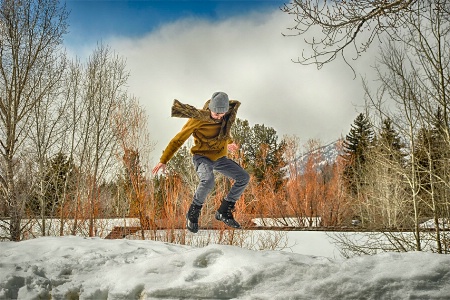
[324, 155]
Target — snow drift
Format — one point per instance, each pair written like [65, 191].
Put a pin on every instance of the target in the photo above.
[93, 268]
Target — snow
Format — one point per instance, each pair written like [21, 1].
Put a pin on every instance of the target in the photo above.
[92, 268]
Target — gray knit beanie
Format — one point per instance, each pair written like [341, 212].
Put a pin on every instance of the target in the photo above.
[219, 103]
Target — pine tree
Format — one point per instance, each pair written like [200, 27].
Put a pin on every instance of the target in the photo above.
[356, 146]
[181, 164]
[384, 205]
[359, 138]
[262, 152]
[59, 182]
[389, 142]
[432, 153]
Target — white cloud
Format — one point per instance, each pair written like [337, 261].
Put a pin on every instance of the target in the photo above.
[248, 58]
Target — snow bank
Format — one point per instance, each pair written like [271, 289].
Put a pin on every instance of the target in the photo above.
[92, 268]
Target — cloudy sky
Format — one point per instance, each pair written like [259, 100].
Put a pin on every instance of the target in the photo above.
[187, 50]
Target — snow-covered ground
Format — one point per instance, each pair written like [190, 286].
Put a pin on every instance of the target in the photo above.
[93, 268]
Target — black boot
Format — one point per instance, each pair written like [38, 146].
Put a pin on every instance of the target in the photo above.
[192, 217]
[225, 214]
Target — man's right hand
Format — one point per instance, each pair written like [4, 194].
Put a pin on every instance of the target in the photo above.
[159, 166]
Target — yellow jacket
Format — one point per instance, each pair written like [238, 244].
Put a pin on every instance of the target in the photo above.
[205, 144]
[211, 137]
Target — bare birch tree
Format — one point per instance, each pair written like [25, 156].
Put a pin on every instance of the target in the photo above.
[414, 76]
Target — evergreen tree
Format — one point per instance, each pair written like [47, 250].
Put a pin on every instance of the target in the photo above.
[423, 161]
[262, 153]
[389, 142]
[385, 204]
[59, 183]
[241, 131]
[359, 138]
[432, 153]
[181, 164]
[356, 146]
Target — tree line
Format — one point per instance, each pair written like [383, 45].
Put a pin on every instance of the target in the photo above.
[74, 143]
[62, 121]
[399, 176]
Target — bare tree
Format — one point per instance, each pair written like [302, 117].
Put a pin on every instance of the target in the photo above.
[346, 28]
[45, 134]
[103, 92]
[30, 69]
[413, 75]
[70, 142]
[417, 80]
[131, 128]
[387, 205]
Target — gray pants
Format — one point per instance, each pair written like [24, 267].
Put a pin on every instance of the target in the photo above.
[205, 167]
